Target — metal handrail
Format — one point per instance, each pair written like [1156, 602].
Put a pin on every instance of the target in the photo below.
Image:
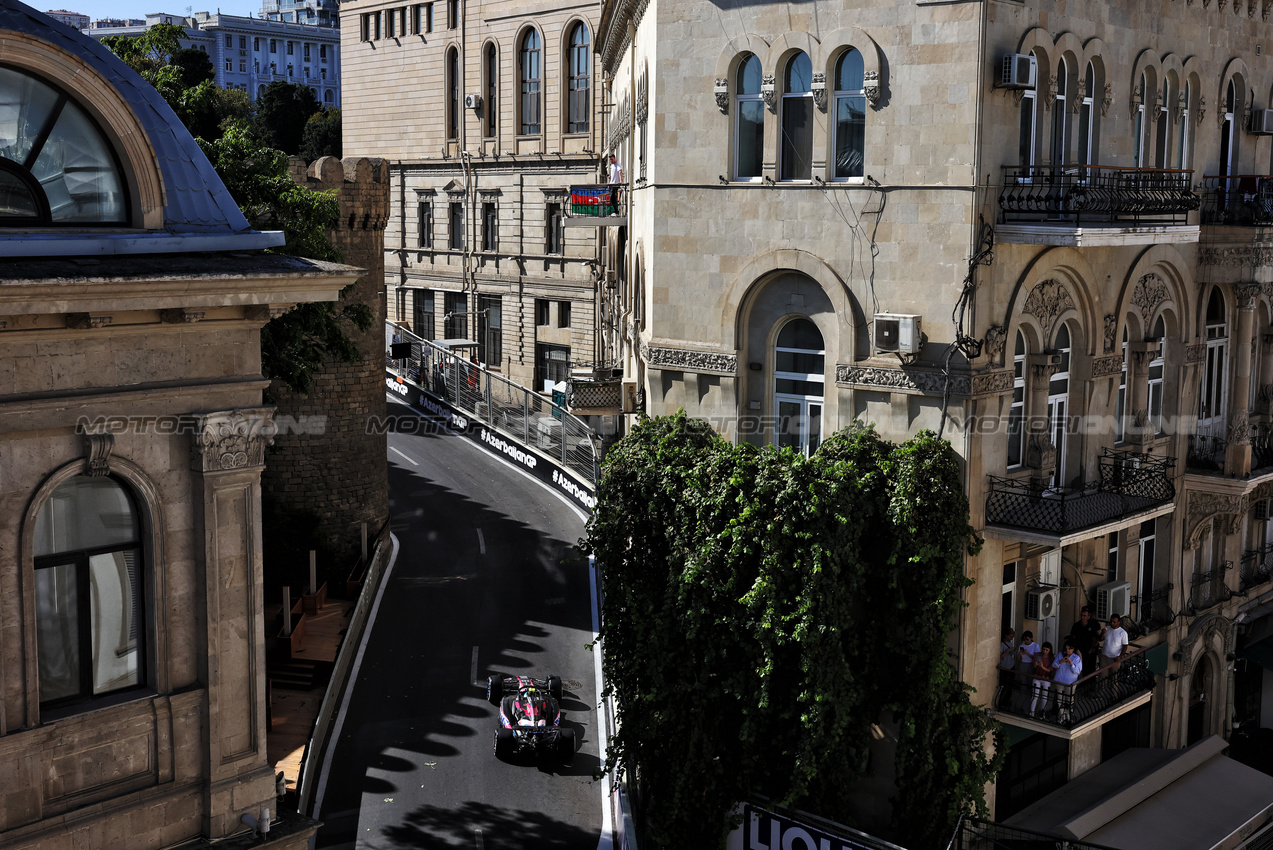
[1243, 199]
[1152, 609]
[1074, 194]
[1214, 589]
[600, 192]
[1067, 706]
[1257, 566]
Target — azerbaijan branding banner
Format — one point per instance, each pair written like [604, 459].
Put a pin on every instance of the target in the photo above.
[590, 200]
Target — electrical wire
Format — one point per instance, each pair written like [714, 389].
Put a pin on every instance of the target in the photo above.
[964, 342]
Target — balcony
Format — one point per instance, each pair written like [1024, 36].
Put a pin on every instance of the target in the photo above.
[1208, 589]
[1244, 200]
[1207, 448]
[1095, 205]
[1153, 611]
[1130, 484]
[594, 392]
[1256, 567]
[594, 205]
[1069, 706]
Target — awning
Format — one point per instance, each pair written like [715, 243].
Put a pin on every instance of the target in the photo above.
[1192, 799]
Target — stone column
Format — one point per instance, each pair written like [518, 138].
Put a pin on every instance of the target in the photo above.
[227, 455]
[1040, 453]
[1140, 353]
[1237, 456]
[1264, 399]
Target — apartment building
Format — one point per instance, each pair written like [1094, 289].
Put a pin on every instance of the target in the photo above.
[1037, 229]
[251, 53]
[488, 113]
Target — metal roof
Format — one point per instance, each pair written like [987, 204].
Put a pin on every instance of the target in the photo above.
[198, 204]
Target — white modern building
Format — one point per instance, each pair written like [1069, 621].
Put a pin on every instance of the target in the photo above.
[251, 53]
[72, 19]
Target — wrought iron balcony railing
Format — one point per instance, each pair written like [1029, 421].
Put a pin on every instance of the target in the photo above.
[1129, 482]
[1206, 452]
[1256, 567]
[1153, 611]
[1095, 194]
[1261, 445]
[1244, 199]
[1067, 706]
[1208, 589]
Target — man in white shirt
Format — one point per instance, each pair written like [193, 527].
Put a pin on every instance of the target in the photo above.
[1113, 644]
[1026, 654]
[616, 180]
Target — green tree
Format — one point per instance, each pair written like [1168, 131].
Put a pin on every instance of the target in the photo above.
[762, 610]
[194, 65]
[281, 113]
[150, 54]
[322, 135]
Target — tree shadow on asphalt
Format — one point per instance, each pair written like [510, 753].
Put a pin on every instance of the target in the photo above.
[435, 828]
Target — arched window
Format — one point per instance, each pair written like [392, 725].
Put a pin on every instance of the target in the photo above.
[749, 121]
[453, 94]
[1060, 114]
[1156, 368]
[89, 592]
[327, 96]
[1120, 408]
[1228, 132]
[1162, 134]
[1025, 134]
[1182, 140]
[850, 116]
[530, 65]
[56, 167]
[1087, 117]
[1138, 129]
[578, 76]
[1214, 396]
[492, 90]
[799, 375]
[796, 150]
[1016, 414]
[1059, 403]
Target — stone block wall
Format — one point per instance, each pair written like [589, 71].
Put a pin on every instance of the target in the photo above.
[338, 471]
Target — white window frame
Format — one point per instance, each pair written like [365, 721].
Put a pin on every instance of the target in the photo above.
[1059, 407]
[740, 99]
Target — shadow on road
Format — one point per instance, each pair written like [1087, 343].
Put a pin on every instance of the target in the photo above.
[429, 827]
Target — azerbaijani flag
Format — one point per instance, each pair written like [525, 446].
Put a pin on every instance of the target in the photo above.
[590, 200]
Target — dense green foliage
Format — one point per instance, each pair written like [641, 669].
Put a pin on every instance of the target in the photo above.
[157, 55]
[282, 111]
[322, 135]
[762, 610]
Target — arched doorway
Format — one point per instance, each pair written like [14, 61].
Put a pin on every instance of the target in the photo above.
[799, 367]
[1199, 712]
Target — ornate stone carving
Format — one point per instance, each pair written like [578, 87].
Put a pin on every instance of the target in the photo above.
[992, 383]
[871, 87]
[996, 340]
[769, 91]
[1049, 94]
[714, 362]
[1202, 107]
[1264, 10]
[1214, 631]
[98, 448]
[84, 321]
[1252, 255]
[1040, 453]
[722, 94]
[232, 439]
[1147, 295]
[180, 315]
[1111, 330]
[1111, 364]
[819, 89]
[1195, 353]
[1047, 301]
[1179, 109]
[1240, 429]
[1247, 294]
[1107, 100]
[1135, 102]
[1203, 506]
[921, 380]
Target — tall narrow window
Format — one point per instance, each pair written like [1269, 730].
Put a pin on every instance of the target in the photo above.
[492, 89]
[1059, 403]
[749, 121]
[1059, 115]
[530, 60]
[453, 94]
[1228, 133]
[424, 224]
[1162, 132]
[578, 76]
[456, 223]
[452, 14]
[455, 324]
[850, 116]
[423, 306]
[799, 376]
[1138, 126]
[1120, 409]
[1214, 394]
[796, 147]
[90, 617]
[1156, 368]
[1016, 414]
[1145, 567]
[1025, 134]
[1111, 558]
[554, 230]
[490, 330]
[1182, 137]
[490, 227]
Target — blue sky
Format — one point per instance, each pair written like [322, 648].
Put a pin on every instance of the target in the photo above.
[115, 9]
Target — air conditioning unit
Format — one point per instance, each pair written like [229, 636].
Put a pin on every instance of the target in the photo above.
[472, 101]
[1262, 122]
[1019, 71]
[1042, 603]
[901, 334]
[1113, 598]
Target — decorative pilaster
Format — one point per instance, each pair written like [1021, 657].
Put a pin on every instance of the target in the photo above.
[769, 92]
[1237, 458]
[1040, 452]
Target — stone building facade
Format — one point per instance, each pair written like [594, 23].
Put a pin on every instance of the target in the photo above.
[1066, 205]
[335, 470]
[488, 113]
[132, 440]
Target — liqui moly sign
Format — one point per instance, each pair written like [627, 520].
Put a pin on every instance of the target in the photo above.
[764, 830]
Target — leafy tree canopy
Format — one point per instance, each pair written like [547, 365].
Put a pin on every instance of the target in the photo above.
[281, 113]
[322, 135]
[762, 610]
[194, 65]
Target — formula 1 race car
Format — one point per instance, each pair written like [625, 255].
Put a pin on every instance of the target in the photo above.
[529, 717]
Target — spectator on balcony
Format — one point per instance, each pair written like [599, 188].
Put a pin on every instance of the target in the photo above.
[616, 180]
[1086, 633]
[1007, 663]
[1026, 653]
[1114, 644]
[1043, 670]
[1066, 671]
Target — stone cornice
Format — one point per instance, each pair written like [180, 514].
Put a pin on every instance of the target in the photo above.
[924, 381]
[613, 28]
[1249, 255]
[689, 360]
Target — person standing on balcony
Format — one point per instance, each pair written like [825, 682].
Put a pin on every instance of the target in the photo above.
[1043, 669]
[1067, 670]
[1026, 653]
[1086, 633]
[1114, 644]
[1007, 649]
[616, 180]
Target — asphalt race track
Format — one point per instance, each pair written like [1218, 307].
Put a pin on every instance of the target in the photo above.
[486, 580]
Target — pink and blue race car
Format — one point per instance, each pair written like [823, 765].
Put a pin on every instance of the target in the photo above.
[529, 717]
